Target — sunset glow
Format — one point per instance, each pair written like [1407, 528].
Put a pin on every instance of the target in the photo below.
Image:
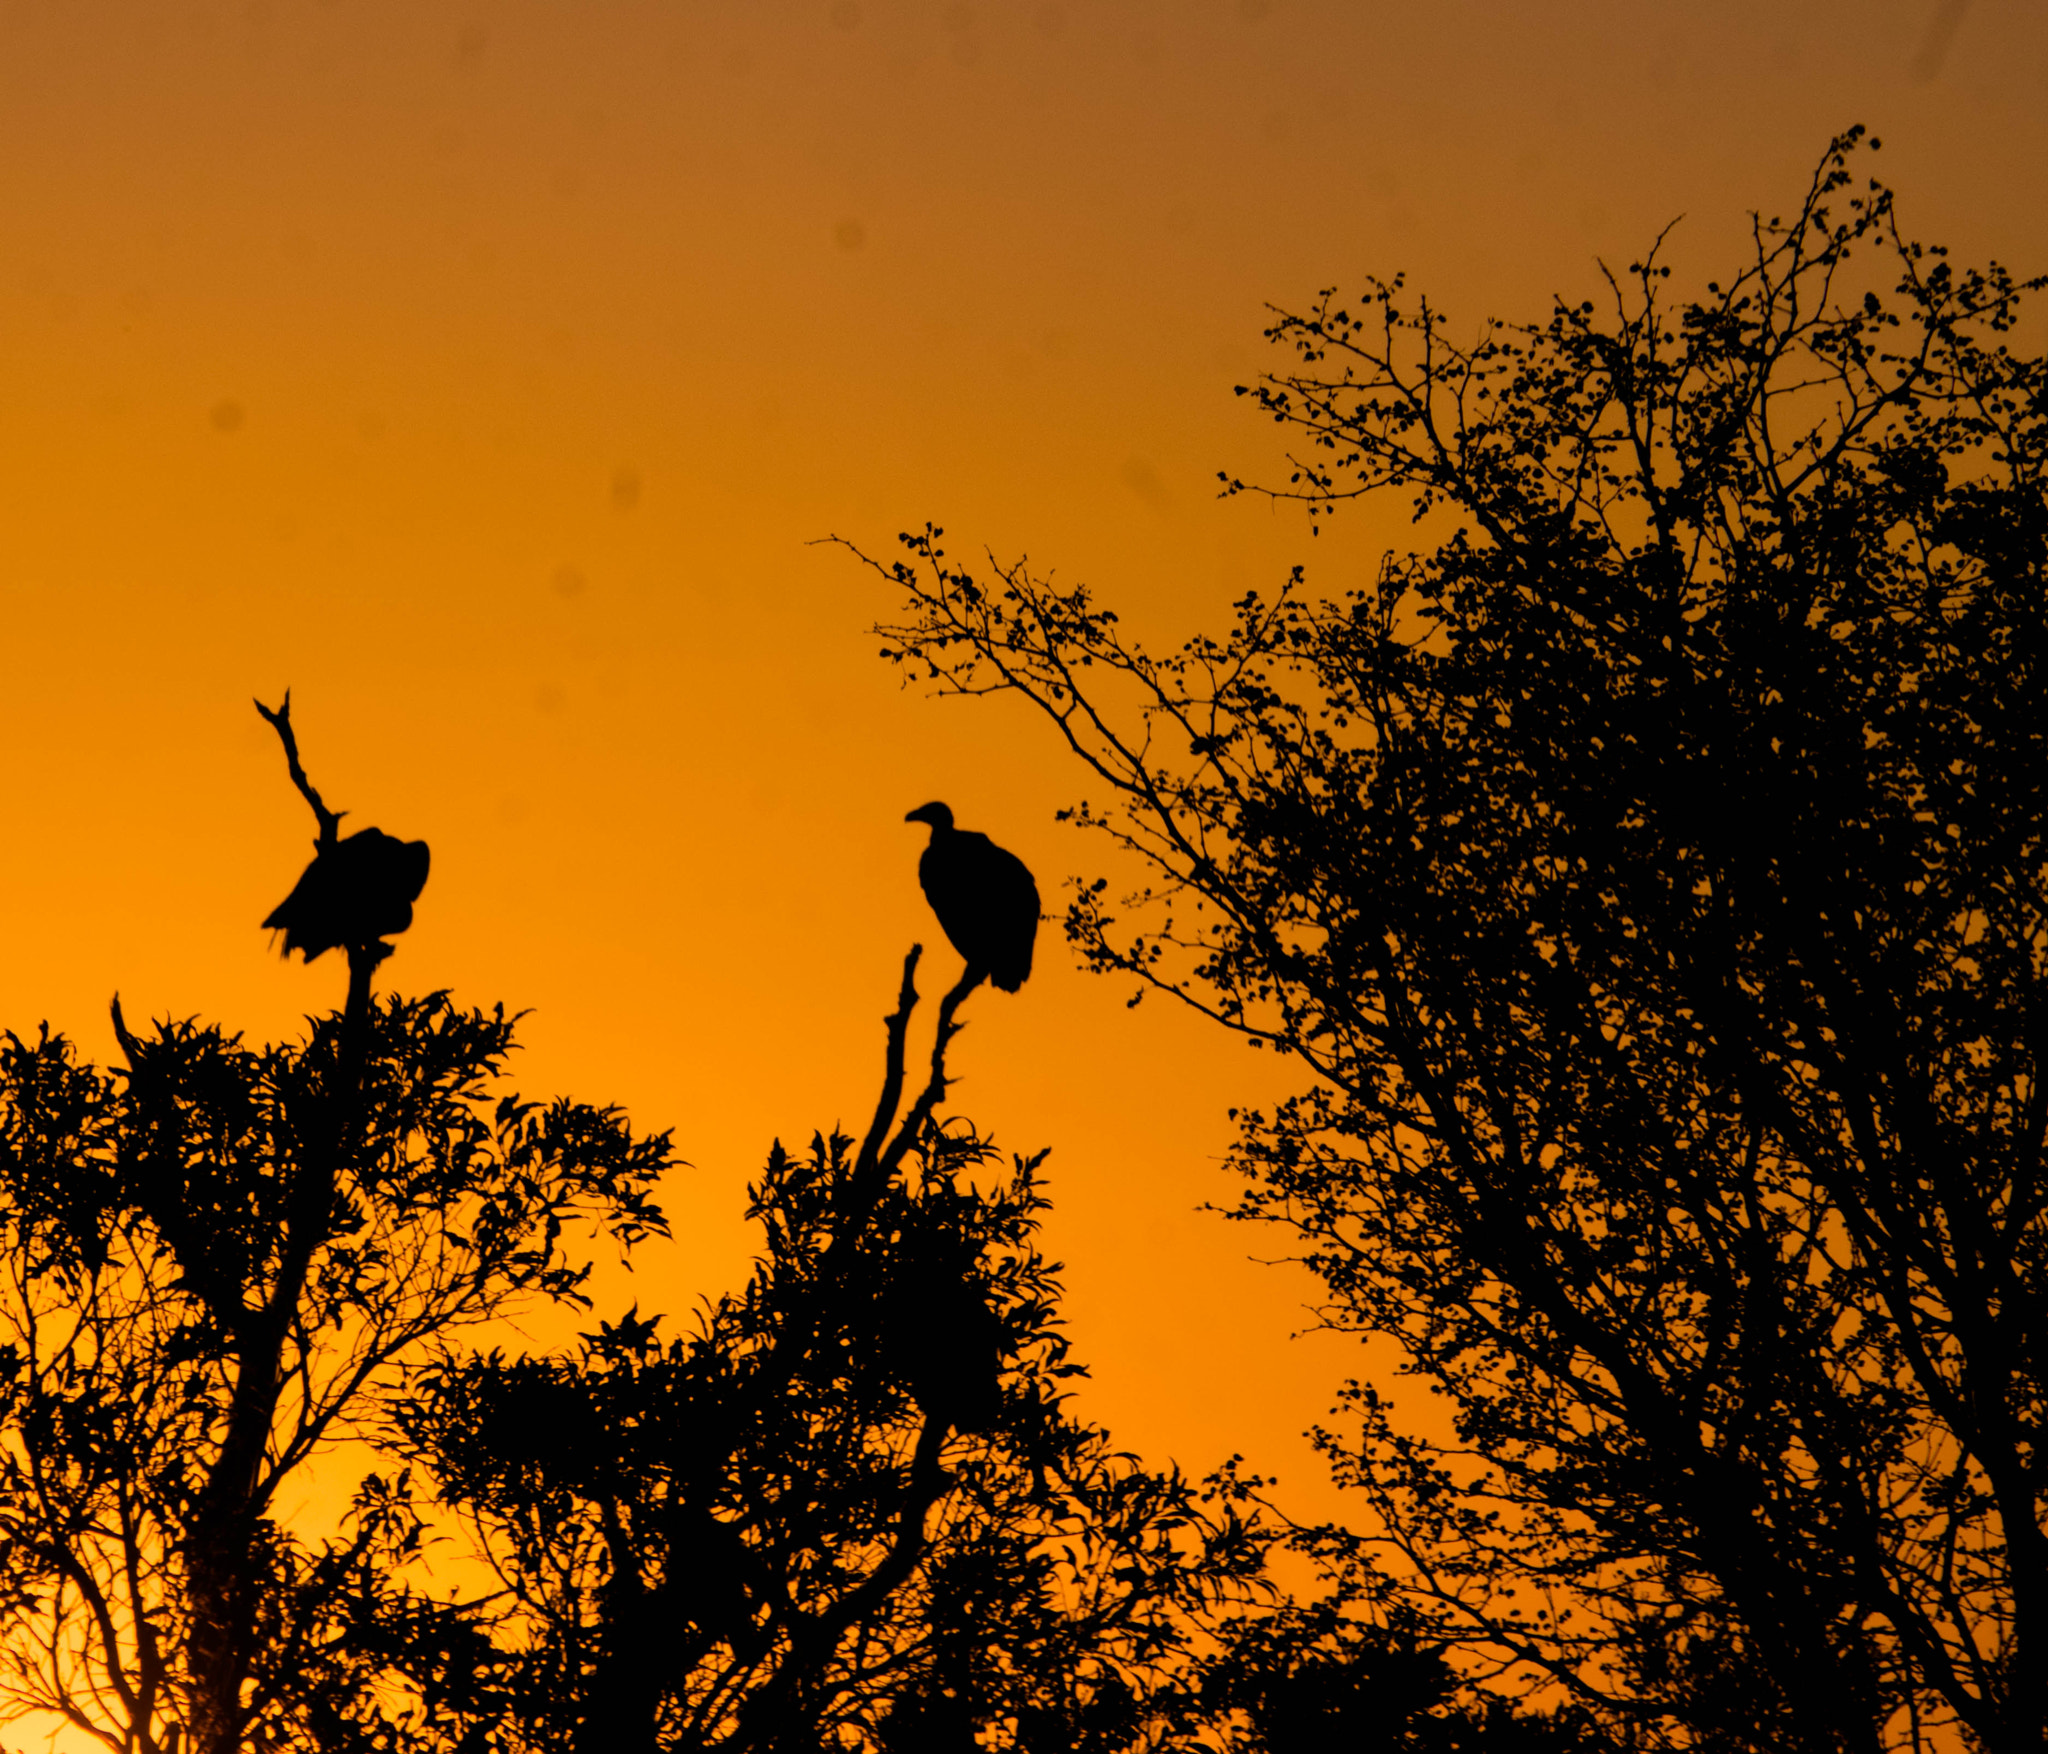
[487, 374]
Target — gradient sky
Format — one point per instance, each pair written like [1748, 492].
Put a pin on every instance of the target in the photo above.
[481, 372]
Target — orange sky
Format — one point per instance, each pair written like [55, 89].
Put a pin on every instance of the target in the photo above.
[481, 371]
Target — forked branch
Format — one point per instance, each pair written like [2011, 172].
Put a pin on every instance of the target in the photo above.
[880, 1152]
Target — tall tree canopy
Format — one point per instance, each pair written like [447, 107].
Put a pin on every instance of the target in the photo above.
[216, 1264]
[1651, 876]
[199, 1300]
[850, 1511]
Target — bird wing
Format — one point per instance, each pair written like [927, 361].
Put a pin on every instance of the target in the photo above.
[1013, 900]
[307, 914]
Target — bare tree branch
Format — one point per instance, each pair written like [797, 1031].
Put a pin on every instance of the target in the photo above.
[280, 720]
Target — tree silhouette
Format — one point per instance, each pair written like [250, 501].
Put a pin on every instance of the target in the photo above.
[1315, 1677]
[1651, 877]
[218, 1262]
[849, 1511]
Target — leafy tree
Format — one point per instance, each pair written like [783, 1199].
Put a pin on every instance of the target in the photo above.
[1322, 1676]
[849, 1511]
[216, 1262]
[1650, 875]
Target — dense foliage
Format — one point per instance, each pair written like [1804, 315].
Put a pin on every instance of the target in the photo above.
[203, 1294]
[1650, 875]
[850, 1510]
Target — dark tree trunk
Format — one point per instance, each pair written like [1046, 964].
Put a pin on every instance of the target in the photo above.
[221, 1549]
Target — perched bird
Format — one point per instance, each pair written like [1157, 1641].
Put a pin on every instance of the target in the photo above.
[984, 898]
[354, 892]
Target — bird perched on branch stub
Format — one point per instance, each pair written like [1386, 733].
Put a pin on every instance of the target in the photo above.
[984, 897]
[354, 892]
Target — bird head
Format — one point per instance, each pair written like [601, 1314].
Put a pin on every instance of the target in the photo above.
[937, 815]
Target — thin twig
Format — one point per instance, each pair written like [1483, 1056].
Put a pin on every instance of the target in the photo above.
[280, 720]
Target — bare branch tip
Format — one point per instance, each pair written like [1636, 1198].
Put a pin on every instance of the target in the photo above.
[280, 720]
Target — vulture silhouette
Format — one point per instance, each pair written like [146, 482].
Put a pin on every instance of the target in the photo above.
[984, 898]
[354, 892]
